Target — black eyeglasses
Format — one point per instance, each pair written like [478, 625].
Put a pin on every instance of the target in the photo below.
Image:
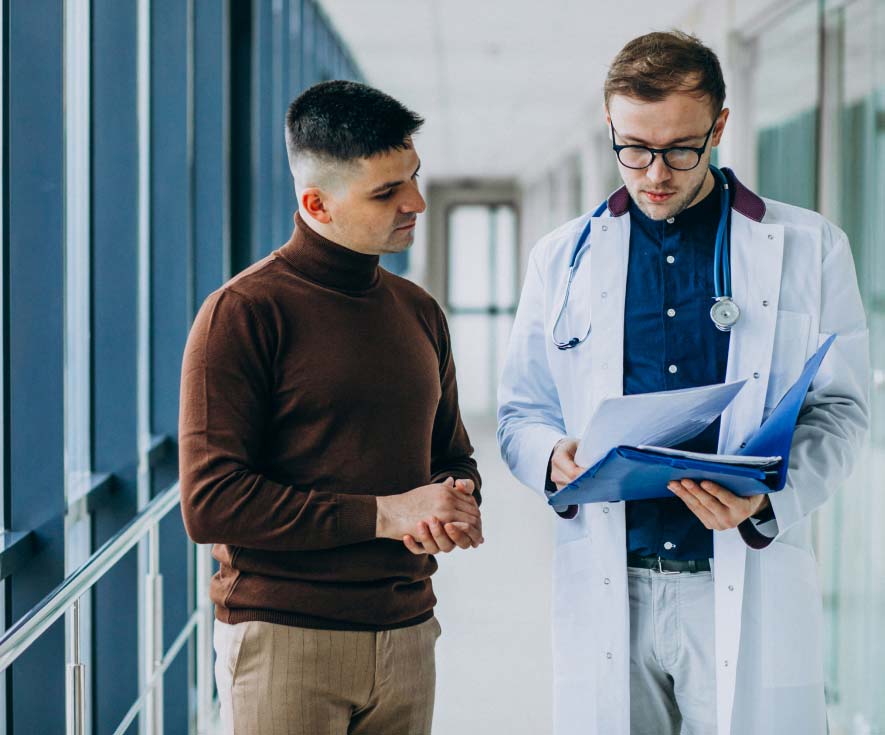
[680, 158]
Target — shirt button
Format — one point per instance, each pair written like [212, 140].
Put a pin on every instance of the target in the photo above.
[671, 312]
[609, 655]
[604, 294]
[669, 545]
[670, 220]
[671, 259]
[606, 581]
[672, 369]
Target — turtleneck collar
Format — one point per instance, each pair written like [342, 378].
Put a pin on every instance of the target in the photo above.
[328, 263]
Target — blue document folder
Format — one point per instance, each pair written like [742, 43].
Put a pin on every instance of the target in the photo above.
[630, 473]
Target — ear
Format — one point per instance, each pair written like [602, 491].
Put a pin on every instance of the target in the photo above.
[720, 126]
[312, 202]
[608, 120]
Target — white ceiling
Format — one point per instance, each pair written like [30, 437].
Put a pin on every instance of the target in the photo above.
[496, 80]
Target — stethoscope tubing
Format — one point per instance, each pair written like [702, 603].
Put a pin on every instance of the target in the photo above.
[721, 268]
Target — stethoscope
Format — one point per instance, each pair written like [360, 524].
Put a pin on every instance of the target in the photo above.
[724, 312]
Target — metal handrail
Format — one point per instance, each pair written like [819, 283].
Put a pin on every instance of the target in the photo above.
[65, 600]
[30, 627]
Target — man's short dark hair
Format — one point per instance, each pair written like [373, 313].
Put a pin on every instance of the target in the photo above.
[342, 121]
[655, 65]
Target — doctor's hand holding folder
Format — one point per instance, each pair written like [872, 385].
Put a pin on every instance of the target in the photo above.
[626, 446]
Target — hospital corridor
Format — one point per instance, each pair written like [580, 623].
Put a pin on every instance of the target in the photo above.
[307, 307]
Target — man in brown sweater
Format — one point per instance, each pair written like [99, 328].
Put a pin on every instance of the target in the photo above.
[321, 447]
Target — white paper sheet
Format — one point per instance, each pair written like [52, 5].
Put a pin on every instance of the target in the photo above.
[661, 419]
[738, 459]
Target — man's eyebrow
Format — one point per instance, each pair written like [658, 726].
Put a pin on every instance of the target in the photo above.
[671, 144]
[391, 184]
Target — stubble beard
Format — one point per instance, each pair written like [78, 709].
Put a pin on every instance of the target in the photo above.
[676, 209]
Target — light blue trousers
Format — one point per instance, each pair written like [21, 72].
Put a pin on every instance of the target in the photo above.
[672, 672]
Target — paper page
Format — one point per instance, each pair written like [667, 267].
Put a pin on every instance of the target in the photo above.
[665, 419]
[738, 459]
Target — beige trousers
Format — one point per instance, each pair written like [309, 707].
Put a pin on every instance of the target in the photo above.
[281, 680]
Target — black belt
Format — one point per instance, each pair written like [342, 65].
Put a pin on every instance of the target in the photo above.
[665, 566]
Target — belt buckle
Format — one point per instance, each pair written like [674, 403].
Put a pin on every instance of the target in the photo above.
[661, 570]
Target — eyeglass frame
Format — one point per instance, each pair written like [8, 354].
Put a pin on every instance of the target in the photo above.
[663, 151]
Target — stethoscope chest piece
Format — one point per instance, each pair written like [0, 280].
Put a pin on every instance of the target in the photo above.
[725, 314]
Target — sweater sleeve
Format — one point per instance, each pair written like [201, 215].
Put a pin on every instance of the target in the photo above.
[226, 393]
[451, 452]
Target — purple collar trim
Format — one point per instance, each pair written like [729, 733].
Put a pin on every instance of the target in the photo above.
[619, 202]
[743, 200]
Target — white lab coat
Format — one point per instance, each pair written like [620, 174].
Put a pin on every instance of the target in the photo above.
[794, 280]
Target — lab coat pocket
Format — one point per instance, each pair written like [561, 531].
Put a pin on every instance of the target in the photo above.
[791, 617]
[788, 356]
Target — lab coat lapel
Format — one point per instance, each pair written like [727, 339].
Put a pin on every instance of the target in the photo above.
[608, 286]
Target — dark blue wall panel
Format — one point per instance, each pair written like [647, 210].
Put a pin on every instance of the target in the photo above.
[171, 286]
[114, 672]
[211, 52]
[36, 346]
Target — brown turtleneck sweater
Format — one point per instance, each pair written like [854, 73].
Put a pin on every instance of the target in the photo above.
[312, 383]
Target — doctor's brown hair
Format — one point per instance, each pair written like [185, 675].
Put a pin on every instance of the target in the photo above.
[655, 65]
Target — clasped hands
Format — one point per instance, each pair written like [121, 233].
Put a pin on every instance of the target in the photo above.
[433, 518]
[715, 506]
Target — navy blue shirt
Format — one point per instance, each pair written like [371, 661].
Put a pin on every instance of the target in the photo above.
[670, 342]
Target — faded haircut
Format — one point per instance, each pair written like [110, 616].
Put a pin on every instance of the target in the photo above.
[332, 125]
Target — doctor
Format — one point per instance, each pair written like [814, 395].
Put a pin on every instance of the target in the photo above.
[701, 612]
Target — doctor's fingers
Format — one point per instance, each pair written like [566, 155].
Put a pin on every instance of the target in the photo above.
[563, 476]
[710, 520]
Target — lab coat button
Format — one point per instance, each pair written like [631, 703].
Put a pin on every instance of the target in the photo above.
[743, 445]
[608, 654]
[771, 237]
[726, 664]
[731, 588]
[604, 294]
[756, 375]
[765, 303]
[605, 228]
[605, 509]
[606, 581]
